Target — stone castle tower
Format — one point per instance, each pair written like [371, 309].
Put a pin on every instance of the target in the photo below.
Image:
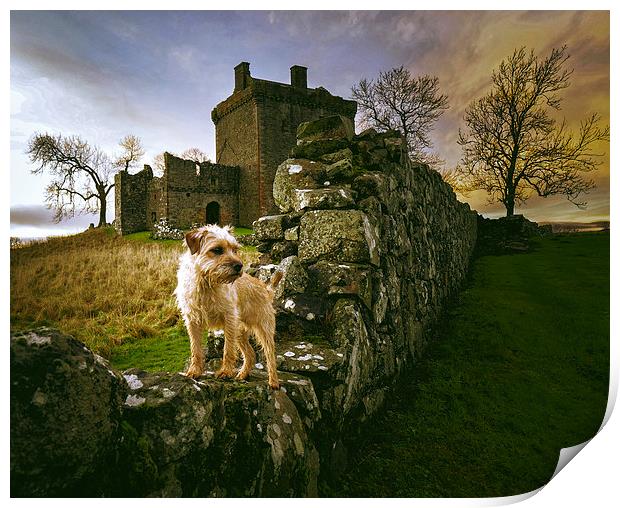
[255, 129]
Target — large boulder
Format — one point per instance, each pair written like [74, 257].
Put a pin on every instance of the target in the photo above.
[65, 413]
[208, 437]
[338, 235]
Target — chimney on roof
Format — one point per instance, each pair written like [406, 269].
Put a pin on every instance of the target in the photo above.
[299, 76]
[242, 76]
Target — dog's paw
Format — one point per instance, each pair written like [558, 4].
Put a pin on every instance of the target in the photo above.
[224, 373]
[242, 376]
[194, 372]
[274, 385]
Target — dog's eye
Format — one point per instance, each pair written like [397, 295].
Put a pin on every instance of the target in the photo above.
[218, 251]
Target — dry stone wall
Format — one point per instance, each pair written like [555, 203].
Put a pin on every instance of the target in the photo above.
[372, 246]
[507, 235]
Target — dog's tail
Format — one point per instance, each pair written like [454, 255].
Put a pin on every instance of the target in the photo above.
[275, 279]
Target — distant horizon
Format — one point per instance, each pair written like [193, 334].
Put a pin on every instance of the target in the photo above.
[66, 69]
[16, 231]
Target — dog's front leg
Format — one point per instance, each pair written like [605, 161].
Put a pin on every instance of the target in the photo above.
[197, 361]
[231, 336]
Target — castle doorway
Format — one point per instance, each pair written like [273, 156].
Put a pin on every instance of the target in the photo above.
[213, 213]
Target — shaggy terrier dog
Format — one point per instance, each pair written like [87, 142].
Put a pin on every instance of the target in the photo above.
[213, 293]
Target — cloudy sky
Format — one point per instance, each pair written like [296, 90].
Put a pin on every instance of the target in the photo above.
[158, 74]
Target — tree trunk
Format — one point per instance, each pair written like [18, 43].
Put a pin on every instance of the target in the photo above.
[102, 212]
[510, 206]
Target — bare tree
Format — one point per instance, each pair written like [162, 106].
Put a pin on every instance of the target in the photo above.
[397, 100]
[131, 154]
[78, 170]
[512, 147]
[159, 164]
[195, 154]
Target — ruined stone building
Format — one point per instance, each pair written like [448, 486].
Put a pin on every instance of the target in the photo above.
[255, 128]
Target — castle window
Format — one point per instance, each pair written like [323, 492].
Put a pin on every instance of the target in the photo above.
[187, 194]
[153, 217]
[213, 181]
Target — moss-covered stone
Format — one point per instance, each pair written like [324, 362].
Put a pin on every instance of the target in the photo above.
[317, 149]
[283, 249]
[295, 174]
[323, 199]
[269, 227]
[328, 127]
[333, 157]
[338, 235]
[65, 412]
[294, 278]
[343, 279]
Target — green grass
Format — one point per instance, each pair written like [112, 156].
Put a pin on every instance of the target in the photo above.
[145, 236]
[240, 231]
[164, 353]
[519, 369]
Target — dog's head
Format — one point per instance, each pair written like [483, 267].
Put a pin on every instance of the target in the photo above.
[216, 253]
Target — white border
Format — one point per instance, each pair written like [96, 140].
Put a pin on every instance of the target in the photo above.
[589, 479]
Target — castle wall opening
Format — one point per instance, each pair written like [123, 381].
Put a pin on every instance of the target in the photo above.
[213, 213]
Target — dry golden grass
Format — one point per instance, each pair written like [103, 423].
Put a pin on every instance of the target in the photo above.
[97, 286]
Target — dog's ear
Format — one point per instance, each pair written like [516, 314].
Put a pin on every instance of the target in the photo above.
[192, 240]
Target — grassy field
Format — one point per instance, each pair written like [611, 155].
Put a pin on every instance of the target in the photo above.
[113, 293]
[518, 370]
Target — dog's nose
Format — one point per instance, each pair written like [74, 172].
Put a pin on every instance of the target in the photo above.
[238, 267]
